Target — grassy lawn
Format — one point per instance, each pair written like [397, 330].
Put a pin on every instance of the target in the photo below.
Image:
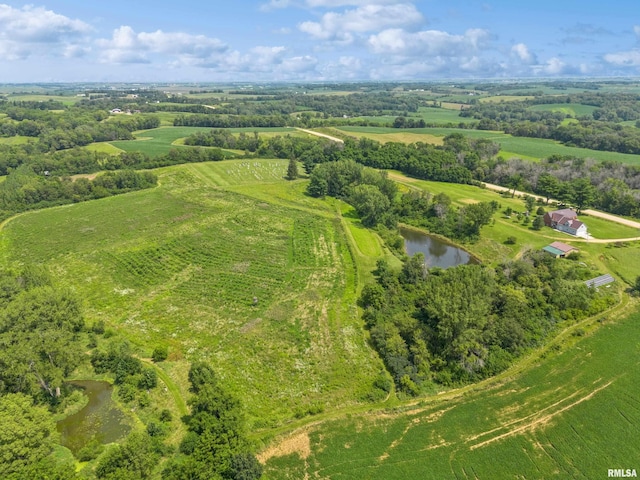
[181, 264]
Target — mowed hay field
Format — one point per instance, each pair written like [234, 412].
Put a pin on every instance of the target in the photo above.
[527, 148]
[181, 264]
[574, 413]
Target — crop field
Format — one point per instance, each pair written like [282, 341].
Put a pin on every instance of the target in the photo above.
[442, 115]
[66, 100]
[225, 262]
[573, 413]
[506, 98]
[573, 109]
[527, 147]
[157, 141]
[395, 135]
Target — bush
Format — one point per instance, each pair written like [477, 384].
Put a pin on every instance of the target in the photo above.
[160, 353]
[511, 240]
[90, 451]
[165, 416]
[148, 379]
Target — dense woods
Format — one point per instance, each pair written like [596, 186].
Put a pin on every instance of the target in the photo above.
[462, 324]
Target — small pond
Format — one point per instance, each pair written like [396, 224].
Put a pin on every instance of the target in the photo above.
[100, 418]
[437, 252]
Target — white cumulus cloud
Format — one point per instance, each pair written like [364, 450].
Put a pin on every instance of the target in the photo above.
[521, 52]
[35, 30]
[624, 59]
[127, 46]
[429, 43]
[368, 18]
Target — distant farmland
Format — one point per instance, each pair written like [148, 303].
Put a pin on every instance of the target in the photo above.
[534, 148]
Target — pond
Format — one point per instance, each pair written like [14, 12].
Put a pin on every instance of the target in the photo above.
[437, 252]
[100, 419]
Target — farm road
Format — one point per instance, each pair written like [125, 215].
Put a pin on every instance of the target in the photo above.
[593, 213]
[318, 134]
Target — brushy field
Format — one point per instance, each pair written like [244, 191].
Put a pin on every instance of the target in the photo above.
[527, 147]
[181, 265]
[573, 413]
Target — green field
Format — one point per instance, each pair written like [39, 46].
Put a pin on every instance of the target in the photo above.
[572, 109]
[181, 264]
[15, 140]
[573, 413]
[527, 147]
[66, 100]
[442, 115]
[103, 147]
[159, 141]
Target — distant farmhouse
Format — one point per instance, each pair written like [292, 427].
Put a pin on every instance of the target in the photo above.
[566, 220]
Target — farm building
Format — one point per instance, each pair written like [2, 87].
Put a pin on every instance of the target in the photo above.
[559, 249]
[600, 281]
[566, 220]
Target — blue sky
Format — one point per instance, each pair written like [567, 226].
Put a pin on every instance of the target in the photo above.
[316, 40]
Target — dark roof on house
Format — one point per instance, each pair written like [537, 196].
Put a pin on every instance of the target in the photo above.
[600, 281]
[563, 247]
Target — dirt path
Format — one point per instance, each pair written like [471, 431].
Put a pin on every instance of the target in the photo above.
[318, 134]
[612, 218]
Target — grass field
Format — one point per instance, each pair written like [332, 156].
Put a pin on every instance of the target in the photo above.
[181, 264]
[573, 109]
[103, 147]
[528, 148]
[15, 140]
[573, 413]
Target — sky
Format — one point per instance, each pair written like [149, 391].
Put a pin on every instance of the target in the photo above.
[316, 40]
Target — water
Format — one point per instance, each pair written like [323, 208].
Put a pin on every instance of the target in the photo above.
[100, 418]
[437, 252]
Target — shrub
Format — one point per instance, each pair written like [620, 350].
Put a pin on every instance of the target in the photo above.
[511, 240]
[160, 353]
